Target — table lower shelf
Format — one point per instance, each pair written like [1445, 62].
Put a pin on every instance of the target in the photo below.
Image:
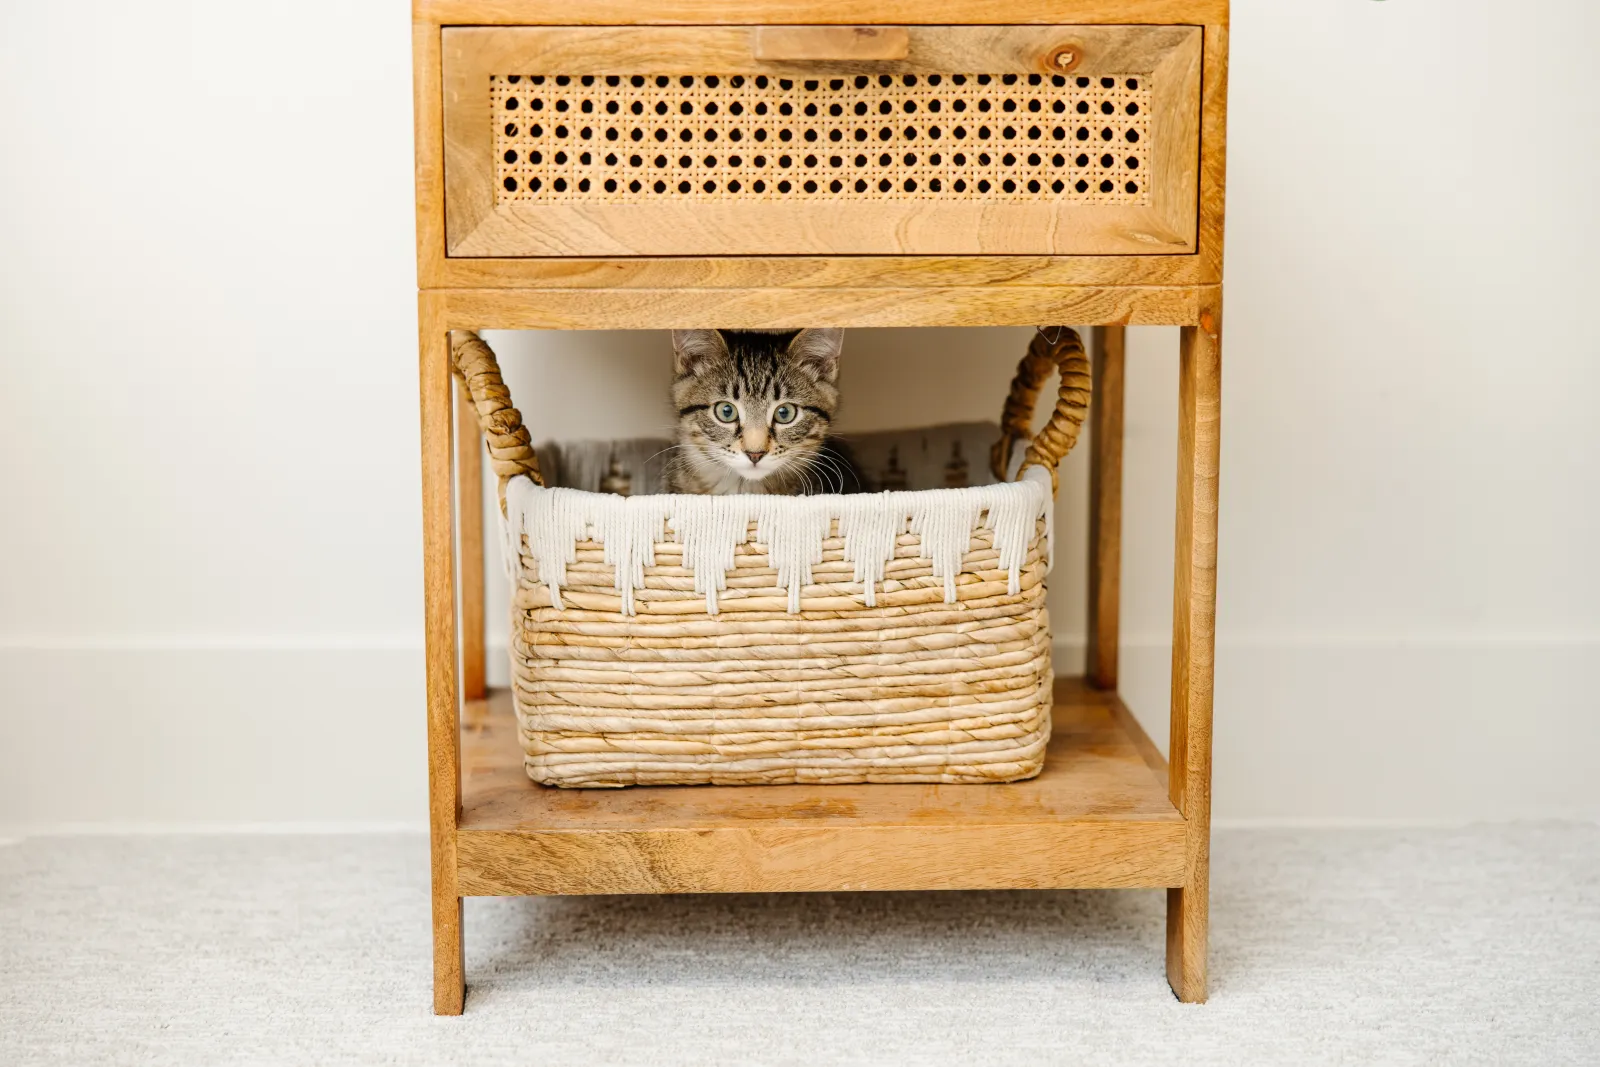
[1098, 817]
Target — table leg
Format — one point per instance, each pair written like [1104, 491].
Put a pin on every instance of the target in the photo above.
[469, 494]
[444, 723]
[1193, 642]
[1105, 506]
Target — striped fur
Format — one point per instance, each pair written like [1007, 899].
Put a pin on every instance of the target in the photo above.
[781, 390]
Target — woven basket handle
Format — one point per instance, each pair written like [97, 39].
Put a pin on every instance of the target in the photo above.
[510, 447]
[1065, 354]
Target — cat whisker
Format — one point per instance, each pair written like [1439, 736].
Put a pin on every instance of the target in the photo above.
[800, 470]
[821, 488]
[807, 472]
[813, 467]
[833, 466]
[833, 476]
[662, 452]
[840, 468]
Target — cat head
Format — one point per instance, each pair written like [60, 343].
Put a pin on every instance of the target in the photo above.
[754, 406]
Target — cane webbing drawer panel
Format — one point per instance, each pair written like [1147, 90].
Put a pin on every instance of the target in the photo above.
[614, 138]
[982, 140]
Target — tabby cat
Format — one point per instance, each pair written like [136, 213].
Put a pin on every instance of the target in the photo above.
[754, 410]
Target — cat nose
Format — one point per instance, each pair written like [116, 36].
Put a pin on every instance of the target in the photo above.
[755, 457]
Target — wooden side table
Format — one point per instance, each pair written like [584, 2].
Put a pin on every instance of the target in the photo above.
[687, 163]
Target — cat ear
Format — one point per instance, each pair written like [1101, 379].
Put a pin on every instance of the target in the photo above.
[817, 353]
[692, 349]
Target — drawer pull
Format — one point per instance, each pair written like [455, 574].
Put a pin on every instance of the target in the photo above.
[831, 42]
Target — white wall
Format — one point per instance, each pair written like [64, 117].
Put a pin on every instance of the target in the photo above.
[209, 581]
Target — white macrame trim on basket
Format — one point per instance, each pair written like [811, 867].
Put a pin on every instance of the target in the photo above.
[792, 528]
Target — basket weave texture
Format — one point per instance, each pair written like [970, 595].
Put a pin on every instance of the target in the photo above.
[895, 637]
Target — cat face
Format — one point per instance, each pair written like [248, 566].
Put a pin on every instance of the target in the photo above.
[753, 408]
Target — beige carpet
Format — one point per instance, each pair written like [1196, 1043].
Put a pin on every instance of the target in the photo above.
[1362, 947]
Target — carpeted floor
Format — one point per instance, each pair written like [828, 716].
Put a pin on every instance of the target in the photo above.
[1328, 946]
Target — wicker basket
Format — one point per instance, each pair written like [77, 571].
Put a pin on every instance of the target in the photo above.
[690, 640]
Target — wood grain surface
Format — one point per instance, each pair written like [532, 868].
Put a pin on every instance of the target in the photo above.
[1097, 816]
[836, 12]
[1194, 642]
[1105, 506]
[439, 607]
[1213, 150]
[469, 526]
[838, 227]
[655, 309]
[809, 272]
[427, 119]
[789, 43]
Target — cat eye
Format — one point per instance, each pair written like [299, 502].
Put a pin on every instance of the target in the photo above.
[726, 412]
[785, 414]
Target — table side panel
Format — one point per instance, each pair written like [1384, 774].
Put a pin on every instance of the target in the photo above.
[1097, 817]
[813, 272]
[784, 308]
[789, 860]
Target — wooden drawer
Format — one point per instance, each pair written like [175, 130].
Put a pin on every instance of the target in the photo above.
[922, 140]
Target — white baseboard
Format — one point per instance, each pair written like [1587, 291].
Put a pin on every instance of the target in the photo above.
[306, 828]
[1419, 731]
[328, 737]
[175, 736]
